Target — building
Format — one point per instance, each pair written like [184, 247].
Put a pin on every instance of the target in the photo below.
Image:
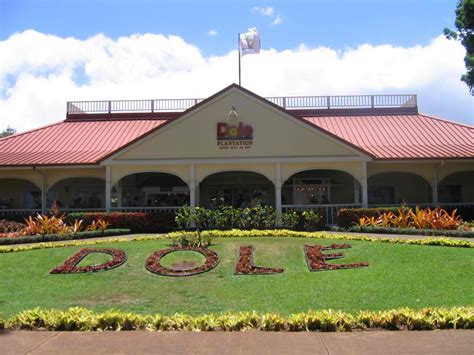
[289, 152]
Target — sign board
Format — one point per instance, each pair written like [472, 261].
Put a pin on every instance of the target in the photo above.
[238, 136]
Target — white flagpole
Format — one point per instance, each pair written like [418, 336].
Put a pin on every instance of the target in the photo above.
[238, 50]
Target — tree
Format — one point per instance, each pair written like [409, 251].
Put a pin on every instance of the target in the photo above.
[8, 132]
[465, 33]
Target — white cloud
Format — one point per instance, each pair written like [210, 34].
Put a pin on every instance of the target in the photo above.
[39, 73]
[278, 20]
[264, 10]
[212, 33]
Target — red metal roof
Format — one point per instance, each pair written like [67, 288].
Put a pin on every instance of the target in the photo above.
[401, 136]
[69, 143]
[387, 136]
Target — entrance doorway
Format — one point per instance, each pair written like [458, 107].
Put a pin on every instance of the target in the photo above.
[238, 189]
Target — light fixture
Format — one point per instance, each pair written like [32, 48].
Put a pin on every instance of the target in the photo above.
[233, 113]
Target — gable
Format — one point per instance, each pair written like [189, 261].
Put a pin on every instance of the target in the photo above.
[265, 131]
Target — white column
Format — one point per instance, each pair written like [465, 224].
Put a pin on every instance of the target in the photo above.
[44, 194]
[434, 185]
[356, 191]
[119, 193]
[278, 183]
[198, 192]
[108, 188]
[192, 194]
[363, 183]
[192, 186]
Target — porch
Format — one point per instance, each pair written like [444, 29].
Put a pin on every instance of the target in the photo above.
[326, 187]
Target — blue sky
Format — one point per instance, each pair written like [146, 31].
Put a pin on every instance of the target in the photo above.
[336, 24]
[52, 51]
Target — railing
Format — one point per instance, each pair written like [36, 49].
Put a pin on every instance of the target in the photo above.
[346, 101]
[19, 211]
[289, 102]
[117, 106]
[329, 211]
[146, 209]
[424, 205]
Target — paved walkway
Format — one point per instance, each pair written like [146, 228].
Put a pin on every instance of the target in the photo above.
[457, 342]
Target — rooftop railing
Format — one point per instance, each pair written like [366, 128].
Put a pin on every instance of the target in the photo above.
[288, 102]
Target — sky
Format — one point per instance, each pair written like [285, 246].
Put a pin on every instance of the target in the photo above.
[53, 51]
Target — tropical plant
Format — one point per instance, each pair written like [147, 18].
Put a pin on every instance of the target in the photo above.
[437, 218]
[289, 219]
[311, 219]
[43, 225]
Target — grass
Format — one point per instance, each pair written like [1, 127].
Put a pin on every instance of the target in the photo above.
[397, 276]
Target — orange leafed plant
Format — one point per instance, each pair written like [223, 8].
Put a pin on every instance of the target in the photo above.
[42, 225]
[419, 219]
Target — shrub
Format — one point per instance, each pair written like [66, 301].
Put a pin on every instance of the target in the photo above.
[135, 221]
[10, 226]
[228, 217]
[437, 218]
[409, 231]
[290, 219]
[64, 236]
[346, 217]
[81, 319]
[311, 220]
[43, 225]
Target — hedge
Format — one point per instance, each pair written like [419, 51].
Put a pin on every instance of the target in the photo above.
[409, 231]
[81, 319]
[436, 241]
[61, 237]
[135, 221]
[284, 233]
[346, 217]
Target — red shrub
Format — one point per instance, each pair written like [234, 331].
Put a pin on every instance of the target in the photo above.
[135, 221]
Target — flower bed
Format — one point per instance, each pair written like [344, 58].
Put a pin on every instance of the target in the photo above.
[142, 222]
[154, 265]
[245, 264]
[10, 227]
[316, 259]
[81, 319]
[61, 237]
[70, 265]
[407, 231]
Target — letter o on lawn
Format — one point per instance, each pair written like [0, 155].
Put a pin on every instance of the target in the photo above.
[153, 262]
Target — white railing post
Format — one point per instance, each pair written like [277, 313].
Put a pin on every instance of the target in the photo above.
[108, 188]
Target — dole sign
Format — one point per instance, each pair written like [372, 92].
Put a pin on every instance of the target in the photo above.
[238, 136]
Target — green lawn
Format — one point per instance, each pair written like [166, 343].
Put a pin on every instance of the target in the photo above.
[397, 276]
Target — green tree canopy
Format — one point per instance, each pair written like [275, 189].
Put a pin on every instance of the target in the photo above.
[7, 132]
[465, 33]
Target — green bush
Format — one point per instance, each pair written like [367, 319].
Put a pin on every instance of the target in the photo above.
[58, 237]
[228, 217]
[312, 220]
[346, 217]
[409, 231]
[81, 319]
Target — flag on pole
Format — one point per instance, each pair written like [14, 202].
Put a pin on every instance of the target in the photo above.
[250, 42]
